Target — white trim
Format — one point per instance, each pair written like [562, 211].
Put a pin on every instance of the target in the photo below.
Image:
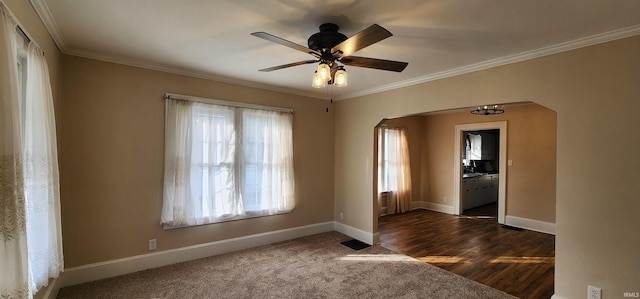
[376, 238]
[554, 296]
[45, 15]
[528, 55]
[530, 224]
[101, 270]
[502, 170]
[189, 73]
[431, 206]
[51, 290]
[355, 233]
[224, 103]
[41, 8]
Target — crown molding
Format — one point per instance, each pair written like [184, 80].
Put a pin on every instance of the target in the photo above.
[545, 51]
[188, 73]
[49, 22]
[45, 15]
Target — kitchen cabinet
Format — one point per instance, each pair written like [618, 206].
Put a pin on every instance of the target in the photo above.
[488, 146]
[469, 193]
[480, 190]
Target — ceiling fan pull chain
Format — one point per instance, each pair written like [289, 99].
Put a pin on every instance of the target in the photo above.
[330, 96]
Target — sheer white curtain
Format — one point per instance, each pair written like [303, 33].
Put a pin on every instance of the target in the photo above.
[14, 281]
[266, 161]
[225, 162]
[178, 203]
[213, 163]
[394, 167]
[44, 233]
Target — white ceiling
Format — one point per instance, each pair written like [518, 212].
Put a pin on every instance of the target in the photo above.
[211, 39]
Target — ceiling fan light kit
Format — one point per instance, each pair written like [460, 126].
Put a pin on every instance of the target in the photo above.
[332, 49]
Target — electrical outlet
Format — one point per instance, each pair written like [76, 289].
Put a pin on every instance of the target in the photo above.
[594, 292]
[510, 162]
[152, 244]
[446, 199]
[341, 216]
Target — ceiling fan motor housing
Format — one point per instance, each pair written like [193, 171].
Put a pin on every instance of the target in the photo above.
[327, 38]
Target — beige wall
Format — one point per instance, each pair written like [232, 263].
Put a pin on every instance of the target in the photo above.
[594, 92]
[112, 164]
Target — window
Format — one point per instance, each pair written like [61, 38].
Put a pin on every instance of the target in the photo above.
[394, 167]
[32, 251]
[225, 163]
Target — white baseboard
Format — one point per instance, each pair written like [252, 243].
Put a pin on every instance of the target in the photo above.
[534, 225]
[556, 297]
[355, 233]
[96, 271]
[51, 290]
[432, 207]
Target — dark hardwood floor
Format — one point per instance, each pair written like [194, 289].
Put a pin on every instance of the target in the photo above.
[518, 262]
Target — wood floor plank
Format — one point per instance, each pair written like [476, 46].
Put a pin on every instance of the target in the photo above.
[519, 262]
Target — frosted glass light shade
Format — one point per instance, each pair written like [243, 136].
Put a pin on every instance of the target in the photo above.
[340, 78]
[324, 71]
[317, 81]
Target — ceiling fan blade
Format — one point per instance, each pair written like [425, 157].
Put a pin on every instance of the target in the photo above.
[361, 40]
[286, 43]
[288, 65]
[373, 63]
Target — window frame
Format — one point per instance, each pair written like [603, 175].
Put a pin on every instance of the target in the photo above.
[238, 125]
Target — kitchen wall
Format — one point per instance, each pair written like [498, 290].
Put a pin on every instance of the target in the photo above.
[112, 162]
[594, 93]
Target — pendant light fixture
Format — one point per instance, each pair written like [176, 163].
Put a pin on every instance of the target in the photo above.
[488, 110]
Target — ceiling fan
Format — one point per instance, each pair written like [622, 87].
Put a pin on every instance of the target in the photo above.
[330, 48]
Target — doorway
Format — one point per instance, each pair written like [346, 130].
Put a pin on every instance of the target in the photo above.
[459, 168]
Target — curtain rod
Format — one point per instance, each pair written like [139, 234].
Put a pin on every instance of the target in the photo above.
[24, 34]
[393, 127]
[168, 96]
[19, 26]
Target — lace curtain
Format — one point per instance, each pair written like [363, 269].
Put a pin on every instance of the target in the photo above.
[394, 167]
[29, 183]
[14, 282]
[225, 163]
[44, 233]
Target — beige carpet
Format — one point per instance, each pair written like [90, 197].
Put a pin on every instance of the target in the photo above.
[316, 266]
